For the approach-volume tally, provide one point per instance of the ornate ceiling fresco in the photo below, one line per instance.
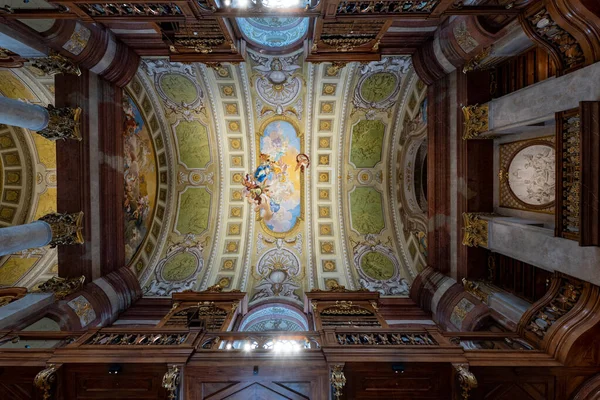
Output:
(275, 176)
(27, 179)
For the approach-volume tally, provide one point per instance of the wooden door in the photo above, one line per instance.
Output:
(271, 381)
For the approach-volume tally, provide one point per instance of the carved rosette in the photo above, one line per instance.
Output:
(476, 121)
(466, 379)
(475, 230)
(56, 64)
(66, 228)
(61, 287)
(64, 123)
(171, 381)
(338, 380)
(44, 381)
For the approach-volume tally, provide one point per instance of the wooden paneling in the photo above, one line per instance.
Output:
(16, 383)
(532, 66)
(517, 277)
(84, 381)
(247, 379)
(379, 381)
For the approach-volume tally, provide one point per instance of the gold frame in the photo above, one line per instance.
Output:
(505, 160)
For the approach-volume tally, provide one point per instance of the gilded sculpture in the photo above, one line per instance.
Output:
(475, 230)
(44, 381)
(476, 121)
(338, 380)
(466, 379)
(171, 381)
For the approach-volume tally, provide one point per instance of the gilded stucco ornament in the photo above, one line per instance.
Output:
(476, 63)
(45, 380)
(475, 230)
(170, 381)
(338, 380)
(61, 287)
(475, 289)
(66, 228)
(476, 121)
(64, 123)
(466, 379)
(56, 64)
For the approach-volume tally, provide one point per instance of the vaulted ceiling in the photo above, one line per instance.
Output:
(275, 176)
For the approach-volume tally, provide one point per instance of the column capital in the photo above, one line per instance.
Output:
(61, 287)
(475, 230)
(56, 64)
(171, 380)
(64, 123)
(66, 228)
(476, 121)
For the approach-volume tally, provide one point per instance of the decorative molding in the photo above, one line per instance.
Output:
(476, 121)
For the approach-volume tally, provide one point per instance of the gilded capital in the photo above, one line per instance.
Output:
(476, 121)
(338, 380)
(64, 123)
(45, 380)
(466, 379)
(61, 287)
(171, 380)
(475, 230)
(66, 228)
(56, 64)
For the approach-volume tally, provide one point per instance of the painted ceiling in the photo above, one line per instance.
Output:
(275, 176)
(27, 179)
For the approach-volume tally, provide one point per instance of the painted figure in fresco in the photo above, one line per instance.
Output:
(139, 167)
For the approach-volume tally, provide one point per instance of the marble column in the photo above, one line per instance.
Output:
(52, 123)
(22, 237)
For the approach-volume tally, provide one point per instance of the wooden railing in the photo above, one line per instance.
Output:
(578, 174)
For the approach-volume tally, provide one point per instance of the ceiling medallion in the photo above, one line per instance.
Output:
(380, 83)
(378, 268)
